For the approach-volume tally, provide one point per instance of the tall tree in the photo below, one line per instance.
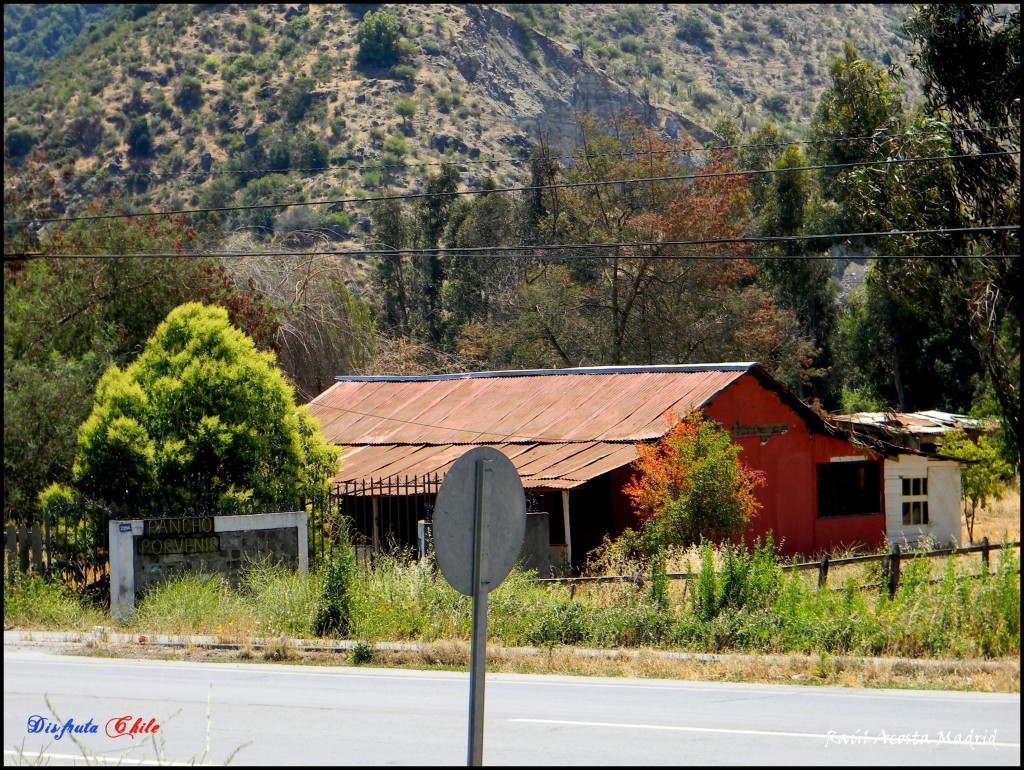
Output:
(67, 320)
(390, 272)
(970, 58)
(433, 214)
(651, 303)
(798, 283)
(201, 417)
(860, 102)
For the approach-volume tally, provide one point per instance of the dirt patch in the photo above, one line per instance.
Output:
(974, 676)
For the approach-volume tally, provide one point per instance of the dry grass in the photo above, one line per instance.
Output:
(1001, 518)
(974, 676)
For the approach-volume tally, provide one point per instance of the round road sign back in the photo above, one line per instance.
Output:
(485, 480)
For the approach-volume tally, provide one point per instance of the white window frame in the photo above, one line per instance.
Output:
(914, 500)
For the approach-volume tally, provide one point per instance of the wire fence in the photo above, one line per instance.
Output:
(888, 583)
(393, 515)
(70, 541)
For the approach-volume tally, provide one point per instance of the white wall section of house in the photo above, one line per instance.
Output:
(942, 497)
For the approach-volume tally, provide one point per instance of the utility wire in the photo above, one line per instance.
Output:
(530, 251)
(533, 188)
(518, 160)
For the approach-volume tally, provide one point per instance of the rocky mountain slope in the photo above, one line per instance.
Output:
(221, 88)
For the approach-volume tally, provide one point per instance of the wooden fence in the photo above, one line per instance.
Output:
(890, 573)
(24, 549)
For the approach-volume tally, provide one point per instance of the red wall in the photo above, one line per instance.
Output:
(789, 495)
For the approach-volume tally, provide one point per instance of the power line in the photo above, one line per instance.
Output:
(533, 188)
(515, 160)
(530, 251)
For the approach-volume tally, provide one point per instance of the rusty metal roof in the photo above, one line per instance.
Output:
(599, 404)
(560, 427)
(540, 466)
(930, 422)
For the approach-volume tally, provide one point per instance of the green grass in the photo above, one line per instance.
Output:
(34, 602)
(737, 601)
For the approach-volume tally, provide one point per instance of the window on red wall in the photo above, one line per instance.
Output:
(849, 489)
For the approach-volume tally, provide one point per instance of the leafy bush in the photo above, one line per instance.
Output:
(296, 97)
(405, 73)
(138, 139)
(692, 485)
(377, 38)
(693, 29)
(18, 140)
(334, 612)
(188, 95)
(447, 100)
(777, 103)
(703, 99)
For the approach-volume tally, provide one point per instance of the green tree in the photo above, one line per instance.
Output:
(188, 94)
(691, 485)
(802, 286)
(963, 334)
(983, 475)
(390, 270)
(477, 281)
(433, 215)
(406, 110)
(970, 58)
(201, 417)
(969, 55)
(138, 138)
(861, 101)
(377, 38)
(66, 321)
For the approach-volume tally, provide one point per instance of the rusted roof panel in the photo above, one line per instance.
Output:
(540, 466)
(918, 423)
(624, 404)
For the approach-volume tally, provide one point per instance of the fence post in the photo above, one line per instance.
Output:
(894, 570)
(23, 548)
(12, 551)
(36, 545)
(46, 540)
(823, 572)
(984, 554)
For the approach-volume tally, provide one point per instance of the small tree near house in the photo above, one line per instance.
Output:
(982, 476)
(201, 417)
(691, 485)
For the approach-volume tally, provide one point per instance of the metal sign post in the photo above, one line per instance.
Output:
(478, 635)
(479, 526)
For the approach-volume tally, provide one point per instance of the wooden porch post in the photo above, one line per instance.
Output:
(565, 519)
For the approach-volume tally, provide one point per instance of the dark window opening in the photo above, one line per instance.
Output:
(915, 500)
(848, 489)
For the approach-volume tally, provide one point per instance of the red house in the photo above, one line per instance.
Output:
(572, 434)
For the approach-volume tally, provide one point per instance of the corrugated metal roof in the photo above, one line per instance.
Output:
(540, 466)
(620, 404)
(931, 422)
(560, 428)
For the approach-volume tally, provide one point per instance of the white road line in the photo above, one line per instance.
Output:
(92, 759)
(846, 739)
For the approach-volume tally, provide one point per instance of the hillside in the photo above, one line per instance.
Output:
(156, 106)
(342, 176)
(36, 34)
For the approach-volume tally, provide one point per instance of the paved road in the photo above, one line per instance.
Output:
(297, 715)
